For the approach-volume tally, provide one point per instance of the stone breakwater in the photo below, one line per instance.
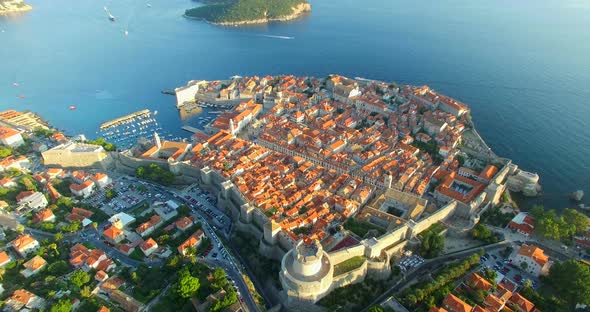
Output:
(297, 12)
(14, 6)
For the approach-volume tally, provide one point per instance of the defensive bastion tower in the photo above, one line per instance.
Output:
(306, 272)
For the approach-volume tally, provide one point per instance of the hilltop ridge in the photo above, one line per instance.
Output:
(243, 12)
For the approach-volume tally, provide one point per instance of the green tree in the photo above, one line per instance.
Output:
(58, 268)
(72, 226)
(432, 244)
(79, 278)
(63, 305)
(86, 291)
(183, 210)
(570, 281)
(187, 284)
(483, 233)
(5, 151)
(110, 194)
(59, 236)
(376, 308)
(219, 278)
(576, 219)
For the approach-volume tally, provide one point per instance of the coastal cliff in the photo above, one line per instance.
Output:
(13, 6)
(246, 12)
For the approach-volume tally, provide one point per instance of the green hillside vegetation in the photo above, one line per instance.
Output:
(243, 10)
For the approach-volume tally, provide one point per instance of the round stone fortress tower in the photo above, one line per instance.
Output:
(306, 272)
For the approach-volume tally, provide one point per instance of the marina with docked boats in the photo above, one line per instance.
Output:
(124, 131)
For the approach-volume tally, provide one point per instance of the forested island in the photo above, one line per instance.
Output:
(242, 12)
(13, 6)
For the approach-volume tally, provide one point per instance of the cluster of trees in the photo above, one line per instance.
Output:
(155, 173)
(495, 217)
(42, 132)
(431, 242)
(429, 293)
(567, 285)
(244, 10)
(354, 297)
(431, 147)
(220, 282)
(484, 234)
(80, 278)
(361, 228)
(187, 285)
(5, 151)
(549, 225)
(102, 142)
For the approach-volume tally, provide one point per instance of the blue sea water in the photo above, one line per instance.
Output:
(522, 66)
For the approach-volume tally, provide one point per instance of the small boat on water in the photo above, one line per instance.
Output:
(126, 33)
(149, 5)
(111, 17)
(72, 107)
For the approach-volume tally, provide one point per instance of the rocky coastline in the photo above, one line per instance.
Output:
(14, 6)
(297, 12)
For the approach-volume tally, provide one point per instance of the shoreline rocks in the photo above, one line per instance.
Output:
(298, 11)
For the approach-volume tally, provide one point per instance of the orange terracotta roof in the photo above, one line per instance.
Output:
(23, 296)
(43, 215)
(22, 241)
(112, 232)
(476, 281)
(6, 133)
(535, 253)
(148, 244)
(454, 304)
(4, 257)
(35, 263)
(522, 302)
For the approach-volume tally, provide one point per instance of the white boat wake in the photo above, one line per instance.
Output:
(278, 37)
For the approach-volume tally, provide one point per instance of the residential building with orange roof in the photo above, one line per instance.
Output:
(101, 179)
(87, 259)
(4, 258)
(7, 182)
(31, 200)
(113, 234)
(53, 193)
(101, 276)
(184, 223)
(148, 247)
(193, 241)
(475, 281)
(79, 214)
(519, 303)
(21, 163)
(437, 309)
(24, 244)
(45, 215)
(10, 137)
(23, 299)
(83, 189)
(54, 172)
(522, 223)
(453, 304)
(532, 259)
(33, 266)
(149, 226)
